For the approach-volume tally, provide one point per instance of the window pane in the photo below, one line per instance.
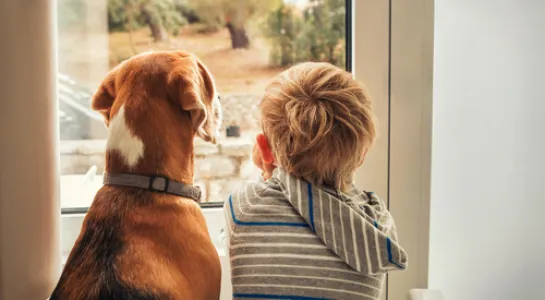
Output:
(243, 43)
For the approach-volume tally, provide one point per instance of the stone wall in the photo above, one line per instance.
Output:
(241, 110)
(219, 168)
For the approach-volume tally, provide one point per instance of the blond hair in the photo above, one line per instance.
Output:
(319, 122)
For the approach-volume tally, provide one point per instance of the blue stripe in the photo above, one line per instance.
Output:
(389, 247)
(375, 223)
(311, 207)
(265, 296)
(242, 223)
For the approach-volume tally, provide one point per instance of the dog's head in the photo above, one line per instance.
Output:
(152, 99)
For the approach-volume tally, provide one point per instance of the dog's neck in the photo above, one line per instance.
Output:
(150, 149)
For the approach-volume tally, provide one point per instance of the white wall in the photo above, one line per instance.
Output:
(487, 232)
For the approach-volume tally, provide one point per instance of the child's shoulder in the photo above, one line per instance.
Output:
(259, 188)
(258, 198)
(250, 189)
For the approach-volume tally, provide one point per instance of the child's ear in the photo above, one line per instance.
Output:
(265, 149)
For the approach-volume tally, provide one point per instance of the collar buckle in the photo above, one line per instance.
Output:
(158, 183)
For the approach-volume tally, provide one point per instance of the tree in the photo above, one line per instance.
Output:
(325, 30)
(239, 37)
(152, 14)
(282, 28)
(233, 14)
(161, 16)
(186, 11)
(315, 33)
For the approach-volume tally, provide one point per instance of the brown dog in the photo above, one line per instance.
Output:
(139, 241)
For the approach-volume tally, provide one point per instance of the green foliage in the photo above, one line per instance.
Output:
(282, 27)
(124, 15)
(164, 12)
(326, 31)
(217, 13)
(188, 13)
(317, 33)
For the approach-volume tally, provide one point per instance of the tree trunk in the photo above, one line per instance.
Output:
(239, 38)
(332, 58)
(158, 32)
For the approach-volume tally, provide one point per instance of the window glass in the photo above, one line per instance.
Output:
(243, 42)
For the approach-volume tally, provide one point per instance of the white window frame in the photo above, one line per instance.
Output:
(393, 57)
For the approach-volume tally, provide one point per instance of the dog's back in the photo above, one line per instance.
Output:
(125, 252)
(136, 243)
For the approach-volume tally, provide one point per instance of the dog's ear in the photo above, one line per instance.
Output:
(209, 130)
(104, 97)
(196, 93)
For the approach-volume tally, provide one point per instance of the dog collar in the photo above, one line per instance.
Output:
(155, 183)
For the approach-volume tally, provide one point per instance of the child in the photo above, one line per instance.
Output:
(306, 232)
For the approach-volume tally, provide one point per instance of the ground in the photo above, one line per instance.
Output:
(235, 70)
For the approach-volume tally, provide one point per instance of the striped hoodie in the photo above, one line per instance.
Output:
(288, 239)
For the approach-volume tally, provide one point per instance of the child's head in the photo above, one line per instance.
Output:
(318, 122)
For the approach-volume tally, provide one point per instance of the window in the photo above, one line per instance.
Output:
(244, 43)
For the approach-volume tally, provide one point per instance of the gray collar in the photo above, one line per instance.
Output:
(155, 183)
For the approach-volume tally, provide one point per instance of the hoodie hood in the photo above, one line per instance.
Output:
(355, 225)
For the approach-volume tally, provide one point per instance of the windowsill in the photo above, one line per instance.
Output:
(219, 169)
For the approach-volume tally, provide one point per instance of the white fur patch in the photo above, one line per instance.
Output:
(217, 109)
(121, 138)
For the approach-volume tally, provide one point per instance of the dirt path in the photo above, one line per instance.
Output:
(236, 71)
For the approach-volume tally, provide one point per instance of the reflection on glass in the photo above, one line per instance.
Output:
(243, 43)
